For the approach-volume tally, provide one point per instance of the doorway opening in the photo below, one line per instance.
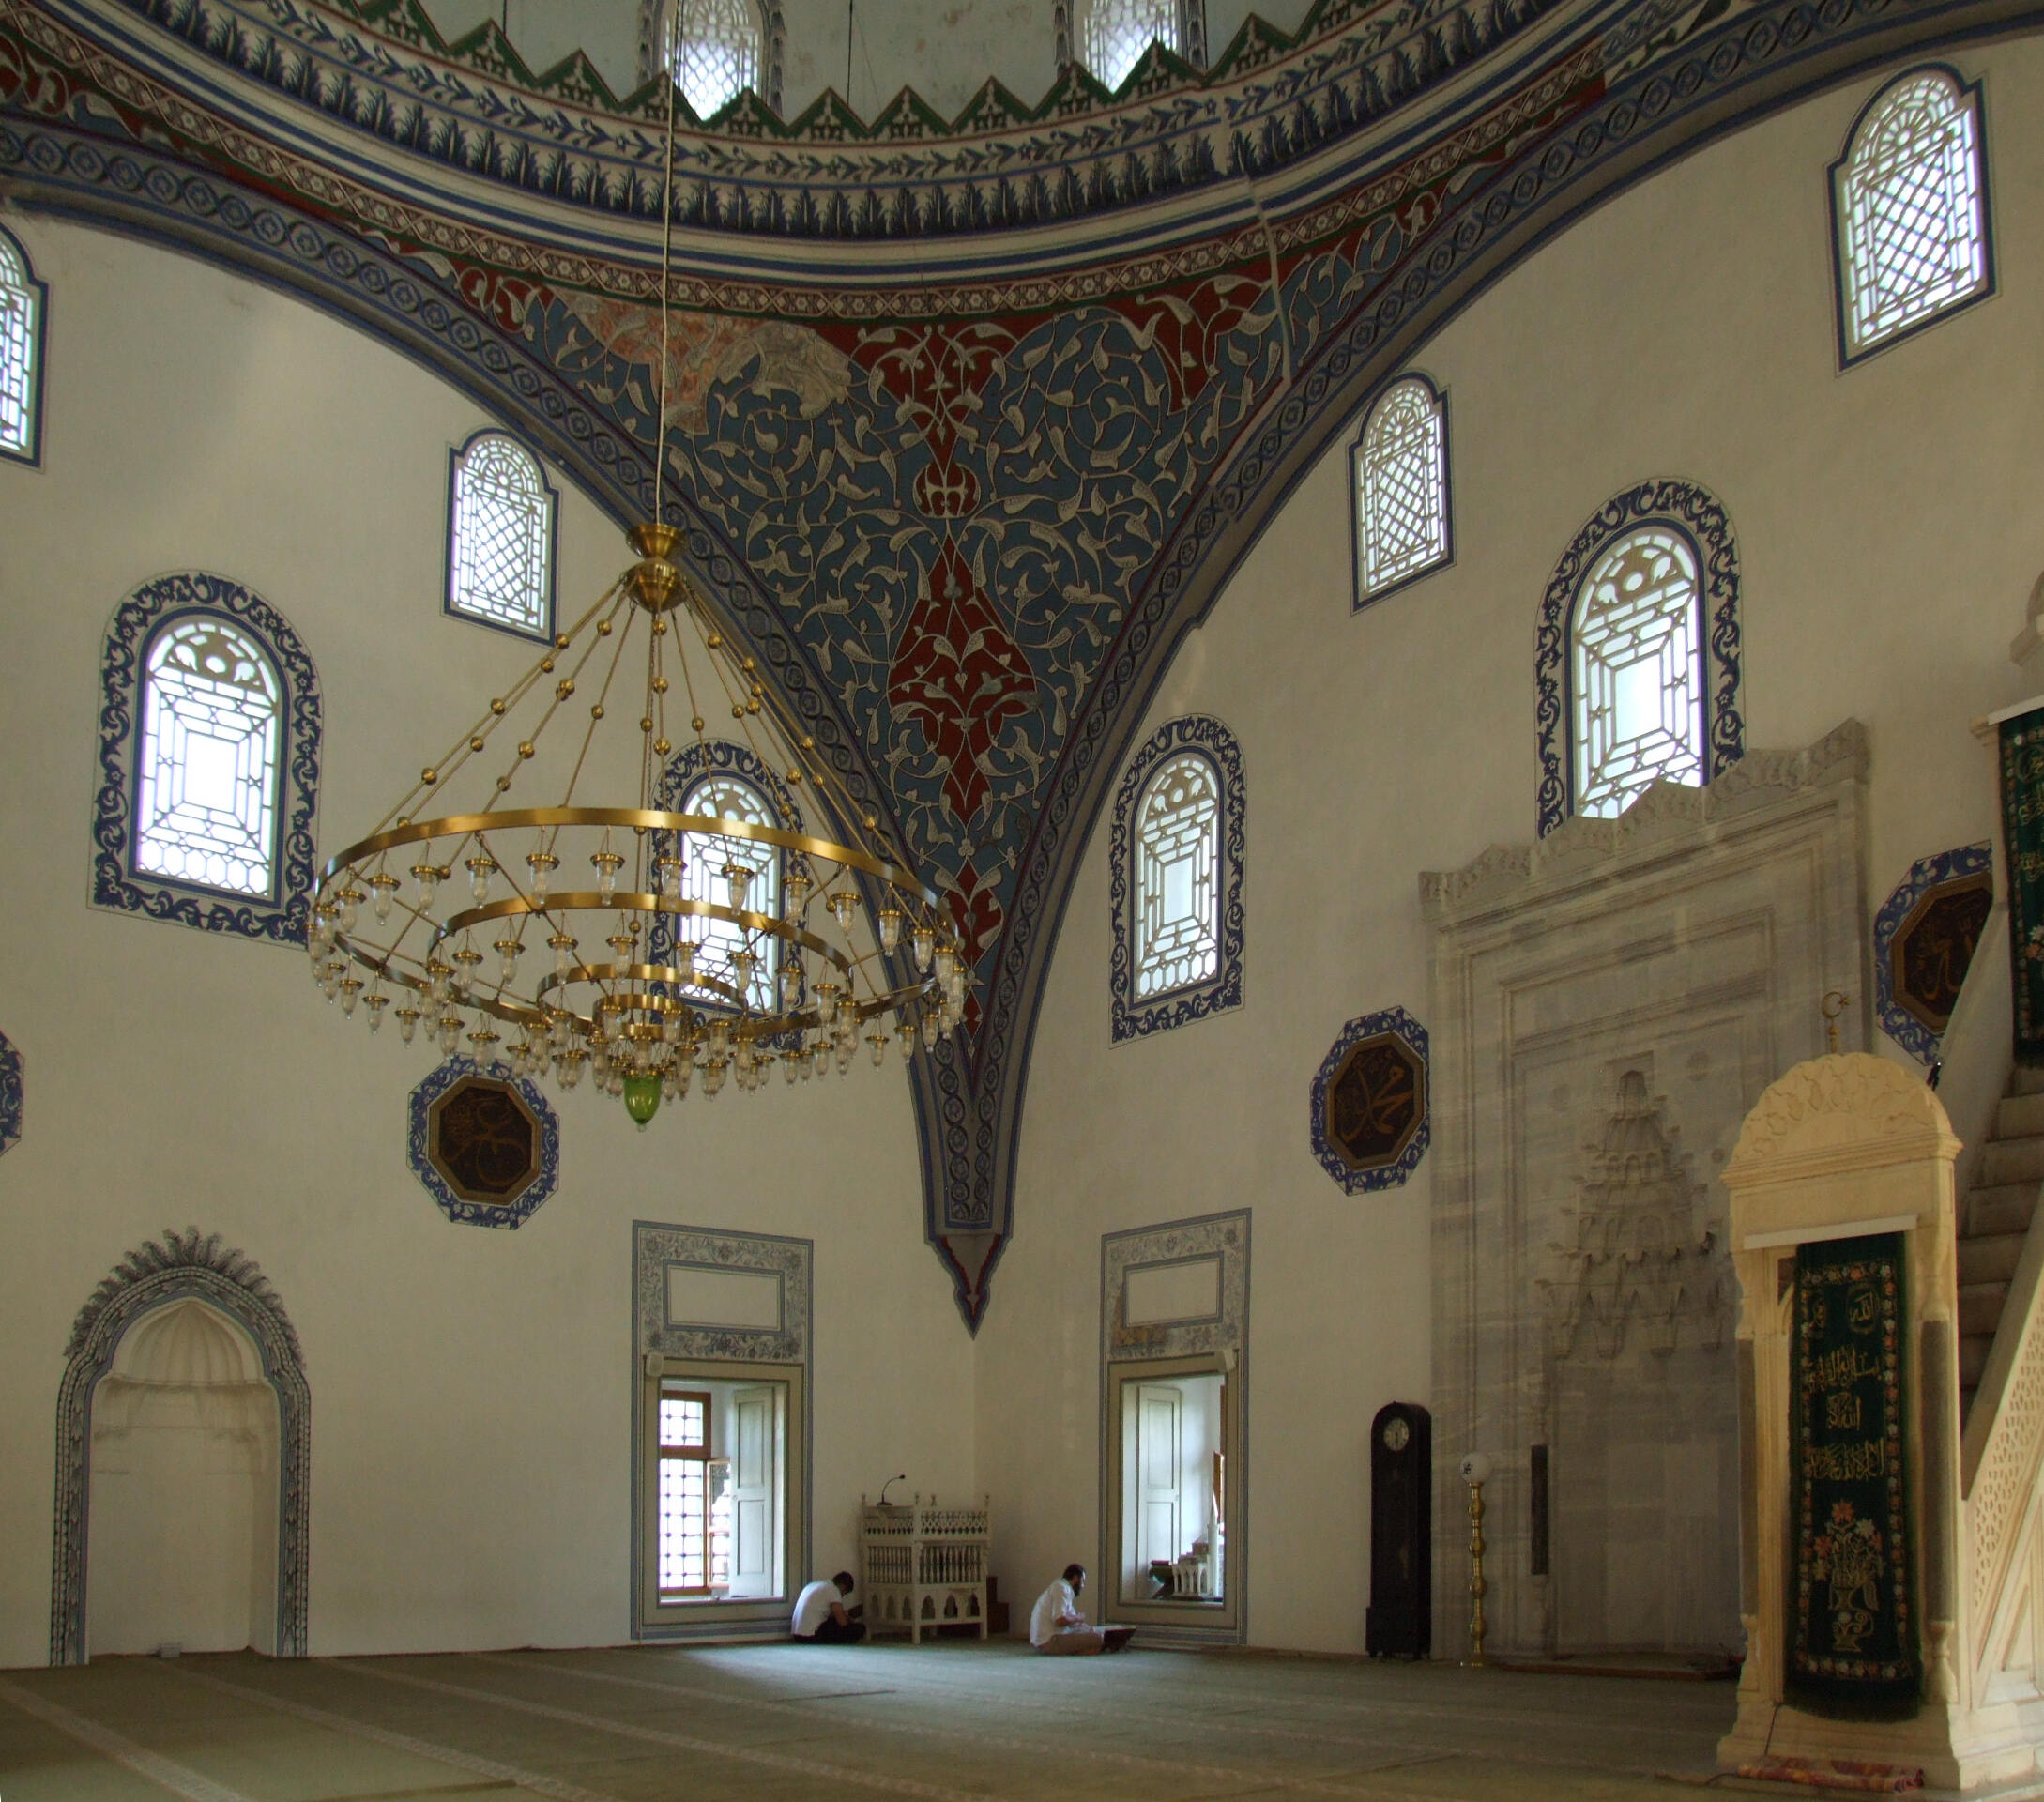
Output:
(1174, 1503)
(1174, 1483)
(722, 1456)
(722, 1447)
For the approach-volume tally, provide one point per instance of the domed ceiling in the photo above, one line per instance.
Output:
(974, 415)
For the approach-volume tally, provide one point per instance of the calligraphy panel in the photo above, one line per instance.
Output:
(1853, 1648)
(2022, 820)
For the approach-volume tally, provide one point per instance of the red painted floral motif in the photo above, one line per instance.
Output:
(1182, 325)
(978, 914)
(939, 374)
(959, 672)
(500, 299)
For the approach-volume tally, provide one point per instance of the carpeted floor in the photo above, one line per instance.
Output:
(763, 1723)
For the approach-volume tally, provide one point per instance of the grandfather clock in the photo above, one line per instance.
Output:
(1401, 1611)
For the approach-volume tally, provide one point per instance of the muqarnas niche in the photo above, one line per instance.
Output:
(1640, 1397)
(485, 1145)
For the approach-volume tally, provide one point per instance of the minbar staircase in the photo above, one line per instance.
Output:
(1994, 1220)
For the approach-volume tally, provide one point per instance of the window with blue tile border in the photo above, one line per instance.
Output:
(25, 307)
(210, 721)
(1176, 888)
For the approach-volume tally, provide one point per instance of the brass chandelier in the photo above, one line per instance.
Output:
(467, 914)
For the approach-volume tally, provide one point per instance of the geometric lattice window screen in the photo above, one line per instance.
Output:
(1635, 676)
(686, 1564)
(1911, 211)
(211, 760)
(1403, 470)
(1116, 34)
(711, 48)
(501, 538)
(20, 352)
(1178, 857)
(706, 857)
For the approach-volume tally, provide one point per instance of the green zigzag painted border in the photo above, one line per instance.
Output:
(829, 118)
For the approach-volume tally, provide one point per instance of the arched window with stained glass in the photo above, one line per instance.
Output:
(1637, 657)
(1177, 855)
(501, 536)
(1116, 34)
(739, 873)
(715, 49)
(1636, 672)
(209, 734)
(1178, 867)
(208, 768)
(1909, 212)
(746, 875)
(22, 308)
(1402, 488)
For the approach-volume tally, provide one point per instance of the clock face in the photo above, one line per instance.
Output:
(1397, 1434)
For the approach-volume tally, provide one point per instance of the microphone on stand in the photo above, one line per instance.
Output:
(900, 1477)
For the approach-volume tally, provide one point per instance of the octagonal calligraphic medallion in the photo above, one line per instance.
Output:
(1925, 935)
(1369, 1102)
(486, 1144)
(1934, 946)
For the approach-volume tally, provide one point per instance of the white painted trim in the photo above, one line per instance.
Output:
(1839, 1229)
(1981, 727)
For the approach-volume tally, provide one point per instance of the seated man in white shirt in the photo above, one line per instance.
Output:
(821, 1618)
(1057, 1626)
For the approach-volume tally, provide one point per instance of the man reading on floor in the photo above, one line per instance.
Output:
(821, 1618)
(1057, 1626)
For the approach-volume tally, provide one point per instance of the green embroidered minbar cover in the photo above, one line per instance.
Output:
(1851, 1603)
(2022, 823)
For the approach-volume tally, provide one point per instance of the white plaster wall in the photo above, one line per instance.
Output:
(1889, 533)
(470, 1389)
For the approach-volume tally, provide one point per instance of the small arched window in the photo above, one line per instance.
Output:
(1909, 211)
(209, 767)
(501, 536)
(22, 300)
(1637, 660)
(1177, 854)
(1402, 488)
(1116, 34)
(1178, 867)
(709, 861)
(729, 781)
(209, 730)
(1635, 671)
(713, 48)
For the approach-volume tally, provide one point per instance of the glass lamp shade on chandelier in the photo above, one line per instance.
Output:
(734, 945)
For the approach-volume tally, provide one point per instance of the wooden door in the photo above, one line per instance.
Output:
(1160, 1479)
(754, 1490)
